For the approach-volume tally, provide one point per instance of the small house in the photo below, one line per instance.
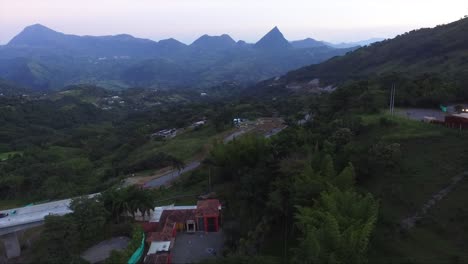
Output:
(166, 133)
(198, 124)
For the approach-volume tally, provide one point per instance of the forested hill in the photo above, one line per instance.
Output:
(8, 88)
(42, 58)
(442, 50)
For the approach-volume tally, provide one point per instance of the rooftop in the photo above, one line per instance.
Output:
(462, 115)
(161, 258)
(208, 207)
(159, 246)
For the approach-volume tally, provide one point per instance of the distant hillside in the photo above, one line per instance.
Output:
(214, 42)
(361, 43)
(8, 88)
(442, 50)
(42, 58)
(311, 43)
(428, 66)
(307, 43)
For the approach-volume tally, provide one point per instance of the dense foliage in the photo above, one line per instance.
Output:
(93, 219)
(272, 184)
(66, 144)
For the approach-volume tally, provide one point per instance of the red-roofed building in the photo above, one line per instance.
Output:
(159, 258)
(207, 214)
(169, 220)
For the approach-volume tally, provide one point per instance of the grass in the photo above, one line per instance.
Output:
(7, 155)
(405, 129)
(186, 189)
(185, 146)
(431, 156)
(8, 204)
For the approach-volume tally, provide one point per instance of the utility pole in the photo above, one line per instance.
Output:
(392, 99)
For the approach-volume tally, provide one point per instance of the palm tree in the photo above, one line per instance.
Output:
(128, 200)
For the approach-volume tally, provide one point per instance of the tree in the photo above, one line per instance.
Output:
(141, 200)
(128, 200)
(176, 163)
(328, 167)
(307, 186)
(385, 155)
(342, 136)
(90, 217)
(58, 243)
(346, 179)
(337, 229)
(115, 202)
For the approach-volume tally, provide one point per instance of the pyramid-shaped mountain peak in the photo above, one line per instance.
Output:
(273, 40)
(37, 27)
(34, 34)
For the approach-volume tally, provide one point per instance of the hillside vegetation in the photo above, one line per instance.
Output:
(42, 58)
(442, 50)
(428, 67)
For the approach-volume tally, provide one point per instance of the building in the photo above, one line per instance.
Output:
(198, 124)
(457, 120)
(166, 133)
(238, 121)
(167, 221)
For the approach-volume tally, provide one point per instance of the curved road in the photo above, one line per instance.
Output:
(170, 176)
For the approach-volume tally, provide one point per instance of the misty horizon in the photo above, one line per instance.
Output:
(192, 41)
(243, 20)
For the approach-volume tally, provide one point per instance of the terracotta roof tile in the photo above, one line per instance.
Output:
(207, 207)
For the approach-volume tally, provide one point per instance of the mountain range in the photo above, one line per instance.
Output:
(429, 66)
(42, 58)
(442, 50)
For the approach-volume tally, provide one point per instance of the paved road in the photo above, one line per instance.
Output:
(102, 251)
(193, 248)
(170, 176)
(23, 217)
(420, 113)
(234, 135)
(36, 213)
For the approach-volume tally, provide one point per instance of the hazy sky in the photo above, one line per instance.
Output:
(185, 20)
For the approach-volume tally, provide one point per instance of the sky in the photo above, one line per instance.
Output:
(249, 20)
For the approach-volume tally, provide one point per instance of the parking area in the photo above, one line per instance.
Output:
(101, 251)
(192, 248)
(420, 113)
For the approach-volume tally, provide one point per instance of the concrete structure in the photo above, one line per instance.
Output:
(23, 218)
(166, 222)
(12, 246)
(198, 124)
(195, 248)
(166, 133)
(459, 121)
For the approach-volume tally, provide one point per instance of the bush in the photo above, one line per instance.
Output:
(124, 255)
(382, 155)
(342, 136)
(385, 122)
